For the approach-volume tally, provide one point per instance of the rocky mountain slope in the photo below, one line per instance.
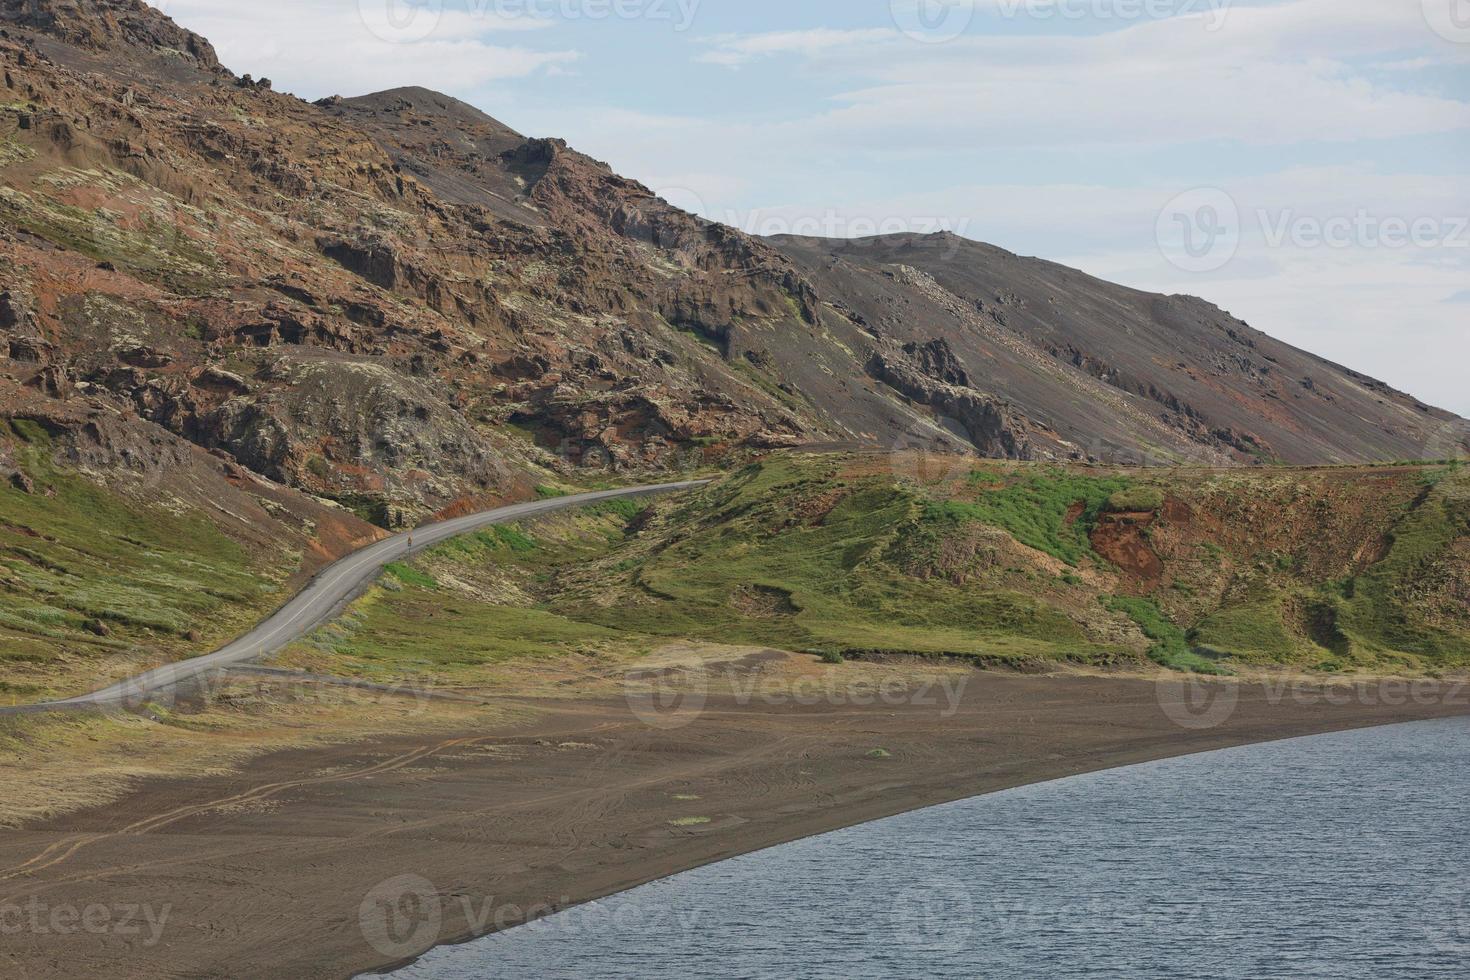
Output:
(1121, 373)
(398, 303)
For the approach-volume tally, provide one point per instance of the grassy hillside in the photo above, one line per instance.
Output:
(89, 579)
(108, 567)
(849, 556)
(840, 556)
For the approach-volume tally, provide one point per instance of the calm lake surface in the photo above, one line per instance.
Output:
(1334, 856)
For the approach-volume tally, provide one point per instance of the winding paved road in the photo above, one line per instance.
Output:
(327, 594)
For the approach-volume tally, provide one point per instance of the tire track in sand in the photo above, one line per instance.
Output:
(63, 850)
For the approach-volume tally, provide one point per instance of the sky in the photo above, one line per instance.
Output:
(1301, 163)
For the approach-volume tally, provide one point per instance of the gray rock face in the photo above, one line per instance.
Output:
(931, 375)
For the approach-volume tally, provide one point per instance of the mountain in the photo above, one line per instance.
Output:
(1119, 372)
(399, 303)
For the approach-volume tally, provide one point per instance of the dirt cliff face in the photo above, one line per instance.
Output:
(396, 297)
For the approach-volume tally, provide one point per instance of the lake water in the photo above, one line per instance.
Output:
(1335, 856)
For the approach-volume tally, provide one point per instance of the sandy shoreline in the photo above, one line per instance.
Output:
(335, 861)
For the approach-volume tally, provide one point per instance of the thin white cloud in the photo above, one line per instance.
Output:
(1409, 64)
(1270, 75)
(322, 47)
(735, 50)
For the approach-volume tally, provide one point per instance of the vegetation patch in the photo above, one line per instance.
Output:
(769, 532)
(1052, 511)
(625, 508)
(1257, 632)
(817, 555)
(409, 575)
(1385, 609)
(87, 575)
(1135, 500)
(518, 541)
(1171, 647)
